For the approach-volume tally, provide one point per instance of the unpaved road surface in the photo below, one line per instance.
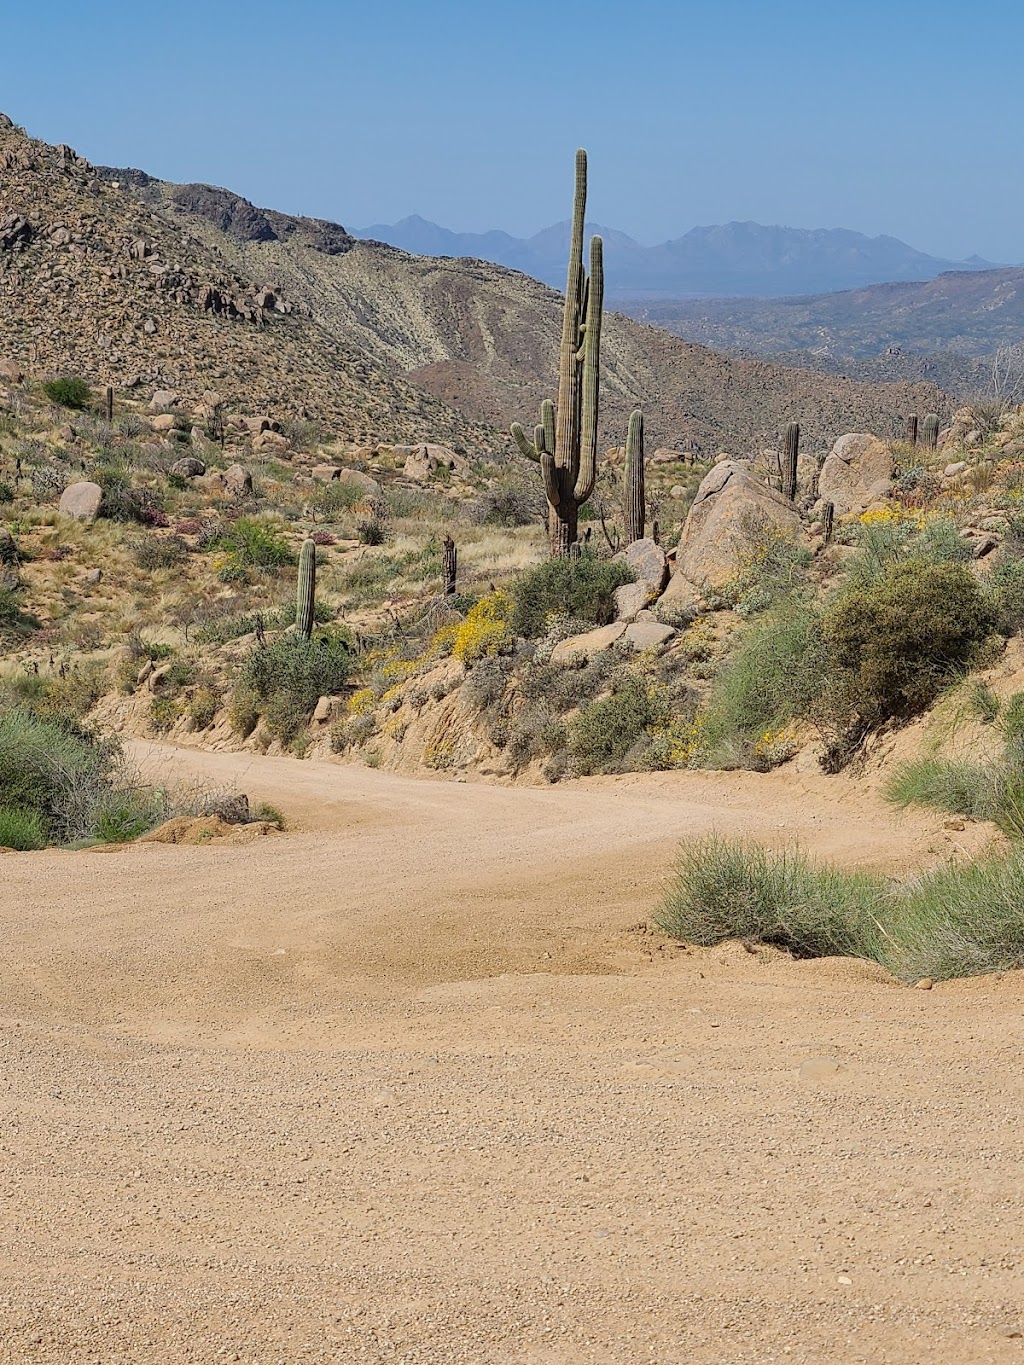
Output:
(411, 1083)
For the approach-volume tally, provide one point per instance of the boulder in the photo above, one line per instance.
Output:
(647, 635)
(952, 470)
(270, 440)
(680, 596)
(81, 501)
(354, 478)
(665, 456)
(647, 560)
(857, 473)
(12, 372)
(325, 710)
(255, 425)
(590, 642)
(164, 421)
(237, 481)
(188, 468)
(630, 599)
(423, 461)
(730, 515)
(162, 400)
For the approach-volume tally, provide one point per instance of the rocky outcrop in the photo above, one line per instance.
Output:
(730, 515)
(421, 462)
(352, 478)
(857, 473)
(647, 560)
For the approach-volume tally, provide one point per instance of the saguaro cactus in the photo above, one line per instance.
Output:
(911, 436)
(305, 592)
(634, 507)
(565, 440)
(828, 518)
(790, 451)
(930, 430)
(108, 403)
(450, 565)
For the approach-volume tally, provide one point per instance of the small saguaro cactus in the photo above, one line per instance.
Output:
(930, 430)
(564, 442)
(450, 565)
(911, 435)
(828, 517)
(108, 404)
(634, 504)
(305, 592)
(790, 451)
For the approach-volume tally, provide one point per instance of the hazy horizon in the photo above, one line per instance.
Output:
(692, 114)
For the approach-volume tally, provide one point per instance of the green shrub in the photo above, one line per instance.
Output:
(125, 815)
(283, 680)
(724, 889)
(958, 920)
(1006, 586)
(14, 619)
(254, 543)
(582, 589)
(602, 735)
(774, 677)
(952, 785)
(336, 497)
(68, 392)
(6, 491)
(894, 642)
(53, 771)
(23, 830)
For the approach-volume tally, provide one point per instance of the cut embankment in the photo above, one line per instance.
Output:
(955, 920)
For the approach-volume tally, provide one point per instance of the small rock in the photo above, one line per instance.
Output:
(952, 470)
(925, 984)
(162, 400)
(94, 576)
(325, 709)
(188, 468)
(643, 635)
(164, 421)
(590, 642)
(237, 481)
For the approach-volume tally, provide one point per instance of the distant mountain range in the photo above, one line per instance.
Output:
(745, 259)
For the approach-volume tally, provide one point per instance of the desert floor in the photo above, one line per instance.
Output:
(414, 1082)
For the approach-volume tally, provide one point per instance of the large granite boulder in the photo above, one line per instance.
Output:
(730, 516)
(857, 473)
(81, 501)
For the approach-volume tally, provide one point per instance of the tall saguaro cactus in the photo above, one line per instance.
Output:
(911, 431)
(790, 452)
(305, 591)
(930, 430)
(565, 440)
(635, 507)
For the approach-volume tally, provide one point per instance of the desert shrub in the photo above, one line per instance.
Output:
(48, 480)
(952, 785)
(22, 830)
(1006, 587)
(772, 567)
(960, 920)
(336, 497)
(68, 391)
(158, 552)
(894, 642)
(486, 682)
(581, 588)
(126, 814)
(6, 491)
(724, 889)
(253, 543)
(54, 771)
(772, 679)
(514, 499)
(604, 732)
(535, 730)
(203, 706)
(375, 527)
(283, 680)
(121, 500)
(486, 629)
(14, 619)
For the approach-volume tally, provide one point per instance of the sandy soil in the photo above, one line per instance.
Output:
(413, 1082)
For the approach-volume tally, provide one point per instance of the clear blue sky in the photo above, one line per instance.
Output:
(900, 116)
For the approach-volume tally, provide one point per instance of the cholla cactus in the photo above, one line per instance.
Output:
(635, 508)
(565, 440)
(305, 592)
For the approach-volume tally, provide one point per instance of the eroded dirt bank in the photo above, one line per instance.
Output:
(410, 1083)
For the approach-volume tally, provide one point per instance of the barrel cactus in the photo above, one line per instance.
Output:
(564, 442)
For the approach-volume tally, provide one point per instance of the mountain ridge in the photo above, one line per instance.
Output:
(735, 258)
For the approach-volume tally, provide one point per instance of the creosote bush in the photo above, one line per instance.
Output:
(68, 391)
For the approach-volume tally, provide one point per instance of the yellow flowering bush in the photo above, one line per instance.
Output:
(486, 629)
(362, 702)
(775, 746)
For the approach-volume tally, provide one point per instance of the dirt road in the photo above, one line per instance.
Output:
(411, 1083)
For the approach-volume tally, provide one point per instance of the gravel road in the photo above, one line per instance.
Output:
(413, 1082)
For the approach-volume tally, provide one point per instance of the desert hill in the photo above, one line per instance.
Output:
(126, 279)
(969, 313)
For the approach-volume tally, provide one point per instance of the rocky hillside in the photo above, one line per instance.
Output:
(969, 313)
(93, 282)
(121, 277)
(484, 339)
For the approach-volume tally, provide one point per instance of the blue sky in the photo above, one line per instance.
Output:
(901, 117)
